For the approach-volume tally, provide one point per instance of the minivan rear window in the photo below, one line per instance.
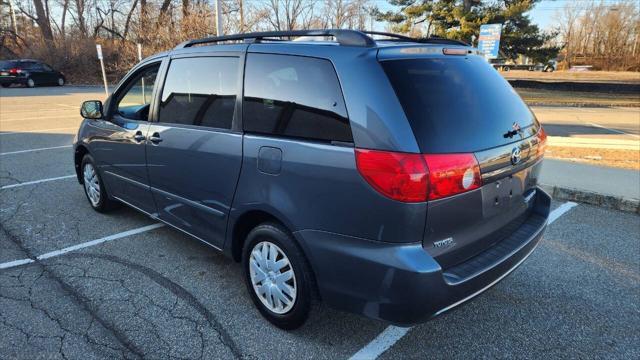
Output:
(459, 104)
(8, 64)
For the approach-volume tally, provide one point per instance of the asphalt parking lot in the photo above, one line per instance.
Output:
(146, 291)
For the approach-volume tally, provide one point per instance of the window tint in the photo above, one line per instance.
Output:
(458, 104)
(47, 67)
(294, 96)
(30, 65)
(200, 91)
(135, 101)
(8, 64)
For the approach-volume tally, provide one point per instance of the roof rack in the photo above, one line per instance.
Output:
(343, 37)
(427, 40)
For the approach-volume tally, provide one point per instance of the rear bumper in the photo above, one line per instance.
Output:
(13, 80)
(402, 283)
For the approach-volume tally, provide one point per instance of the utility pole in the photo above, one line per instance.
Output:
(218, 17)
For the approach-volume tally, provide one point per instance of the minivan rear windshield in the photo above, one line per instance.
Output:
(459, 104)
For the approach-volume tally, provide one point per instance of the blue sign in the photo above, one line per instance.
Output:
(489, 40)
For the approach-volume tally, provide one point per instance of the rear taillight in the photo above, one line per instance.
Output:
(15, 71)
(451, 174)
(542, 142)
(399, 176)
(417, 177)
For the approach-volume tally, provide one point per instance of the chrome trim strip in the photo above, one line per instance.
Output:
(486, 287)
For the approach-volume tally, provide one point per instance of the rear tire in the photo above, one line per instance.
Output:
(5, 85)
(93, 186)
(284, 301)
(31, 83)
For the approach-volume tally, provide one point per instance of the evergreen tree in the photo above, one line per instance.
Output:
(461, 19)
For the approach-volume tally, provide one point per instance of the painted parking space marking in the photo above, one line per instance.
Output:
(392, 334)
(33, 150)
(614, 130)
(381, 343)
(83, 245)
(37, 182)
(37, 131)
(43, 117)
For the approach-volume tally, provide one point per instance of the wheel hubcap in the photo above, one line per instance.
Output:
(272, 277)
(91, 184)
(60, 82)
(31, 82)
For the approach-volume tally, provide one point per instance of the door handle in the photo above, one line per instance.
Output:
(138, 137)
(155, 138)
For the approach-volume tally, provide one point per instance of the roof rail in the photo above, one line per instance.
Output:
(427, 40)
(343, 37)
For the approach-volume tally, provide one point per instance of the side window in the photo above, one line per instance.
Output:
(30, 65)
(294, 96)
(200, 91)
(46, 67)
(135, 101)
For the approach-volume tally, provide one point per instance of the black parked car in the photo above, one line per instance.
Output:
(28, 72)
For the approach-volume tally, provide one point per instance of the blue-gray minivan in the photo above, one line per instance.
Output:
(382, 175)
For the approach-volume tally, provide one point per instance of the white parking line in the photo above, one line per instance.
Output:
(32, 150)
(381, 343)
(36, 131)
(36, 182)
(392, 334)
(560, 210)
(43, 117)
(614, 130)
(83, 245)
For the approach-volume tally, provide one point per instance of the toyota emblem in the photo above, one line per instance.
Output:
(516, 156)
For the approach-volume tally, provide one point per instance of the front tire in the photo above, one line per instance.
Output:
(277, 275)
(60, 81)
(94, 188)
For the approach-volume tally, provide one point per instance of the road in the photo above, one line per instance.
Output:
(155, 293)
(606, 123)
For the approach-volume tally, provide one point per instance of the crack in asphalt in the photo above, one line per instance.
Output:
(78, 298)
(175, 289)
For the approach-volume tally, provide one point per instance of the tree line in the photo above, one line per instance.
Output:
(64, 32)
(603, 35)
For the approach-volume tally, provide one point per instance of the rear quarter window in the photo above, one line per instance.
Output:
(294, 96)
(458, 104)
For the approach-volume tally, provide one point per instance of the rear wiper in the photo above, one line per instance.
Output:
(510, 134)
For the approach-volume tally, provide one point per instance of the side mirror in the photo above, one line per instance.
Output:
(91, 109)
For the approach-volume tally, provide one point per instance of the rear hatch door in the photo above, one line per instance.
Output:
(460, 104)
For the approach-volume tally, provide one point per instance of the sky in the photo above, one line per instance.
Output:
(543, 14)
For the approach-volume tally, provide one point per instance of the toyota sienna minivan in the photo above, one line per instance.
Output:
(383, 175)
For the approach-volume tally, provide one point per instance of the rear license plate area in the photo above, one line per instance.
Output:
(505, 195)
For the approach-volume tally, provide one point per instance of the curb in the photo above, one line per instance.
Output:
(593, 198)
